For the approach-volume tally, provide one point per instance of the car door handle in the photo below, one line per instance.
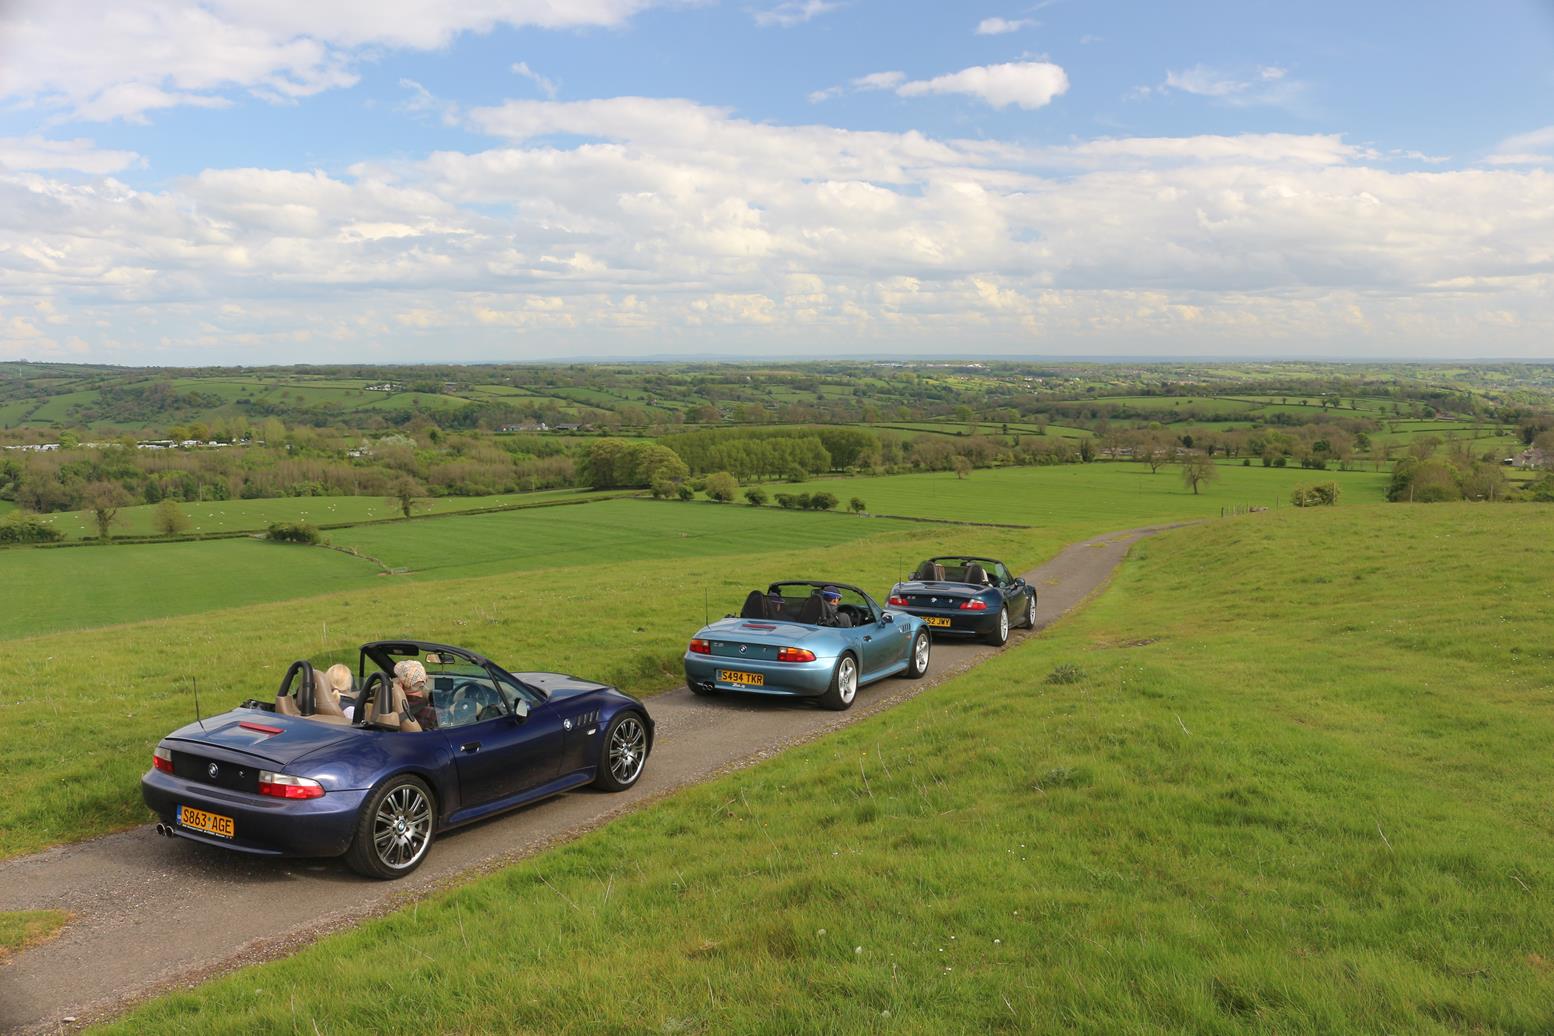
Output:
(870, 637)
(470, 747)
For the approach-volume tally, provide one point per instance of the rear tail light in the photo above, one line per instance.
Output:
(795, 655)
(898, 601)
(162, 759)
(284, 786)
(700, 647)
(976, 604)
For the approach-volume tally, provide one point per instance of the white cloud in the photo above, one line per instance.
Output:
(78, 155)
(793, 12)
(1029, 84)
(663, 220)
(1265, 85)
(82, 59)
(1000, 26)
(880, 81)
(1535, 147)
(547, 87)
(423, 101)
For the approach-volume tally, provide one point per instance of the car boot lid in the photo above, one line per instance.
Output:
(269, 736)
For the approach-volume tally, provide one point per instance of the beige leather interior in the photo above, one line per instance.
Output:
(326, 703)
(286, 705)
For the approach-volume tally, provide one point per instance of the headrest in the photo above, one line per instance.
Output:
(755, 606)
(386, 704)
(326, 700)
(811, 610)
(975, 573)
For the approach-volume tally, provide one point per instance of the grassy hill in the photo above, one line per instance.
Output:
(1086, 496)
(1290, 774)
(86, 707)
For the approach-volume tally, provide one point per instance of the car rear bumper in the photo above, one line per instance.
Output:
(779, 679)
(961, 623)
(262, 825)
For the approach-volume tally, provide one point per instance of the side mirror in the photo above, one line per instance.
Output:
(886, 619)
(520, 711)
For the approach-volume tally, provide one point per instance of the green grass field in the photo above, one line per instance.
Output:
(1086, 496)
(1286, 775)
(103, 585)
(602, 533)
(100, 586)
(83, 709)
(256, 515)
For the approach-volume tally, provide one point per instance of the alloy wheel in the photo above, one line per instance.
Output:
(628, 750)
(402, 828)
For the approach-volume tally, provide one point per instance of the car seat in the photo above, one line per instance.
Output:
(755, 606)
(811, 610)
(325, 708)
(975, 573)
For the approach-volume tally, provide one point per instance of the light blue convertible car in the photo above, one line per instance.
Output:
(806, 639)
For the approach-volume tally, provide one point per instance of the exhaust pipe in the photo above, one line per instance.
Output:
(164, 831)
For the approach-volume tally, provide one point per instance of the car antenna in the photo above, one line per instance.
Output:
(706, 607)
(195, 682)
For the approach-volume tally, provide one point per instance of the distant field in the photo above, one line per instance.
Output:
(83, 709)
(603, 533)
(1204, 403)
(1114, 495)
(1277, 787)
(99, 586)
(254, 515)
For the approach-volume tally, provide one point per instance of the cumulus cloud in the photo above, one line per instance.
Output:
(78, 155)
(83, 60)
(1535, 147)
(793, 12)
(620, 224)
(1265, 85)
(548, 87)
(1000, 26)
(880, 81)
(1028, 84)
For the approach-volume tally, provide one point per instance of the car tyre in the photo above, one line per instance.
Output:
(394, 829)
(844, 685)
(623, 752)
(1030, 613)
(917, 663)
(999, 636)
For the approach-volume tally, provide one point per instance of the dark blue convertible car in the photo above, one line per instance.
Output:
(967, 596)
(302, 776)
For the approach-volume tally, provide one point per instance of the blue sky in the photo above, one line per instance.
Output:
(223, 182)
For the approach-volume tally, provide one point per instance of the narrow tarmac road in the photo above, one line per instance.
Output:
(153, 914)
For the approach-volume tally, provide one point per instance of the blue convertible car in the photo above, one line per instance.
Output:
(967, 596)
(797, 640)
(300, 777)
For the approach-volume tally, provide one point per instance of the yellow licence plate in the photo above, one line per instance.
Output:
(735, 676)
(210, 823)
(934, 620)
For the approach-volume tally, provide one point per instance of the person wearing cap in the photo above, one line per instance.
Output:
(337, 681)
(417, 713)
(830, 597)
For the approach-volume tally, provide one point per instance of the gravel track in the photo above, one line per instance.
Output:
(153, 914)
